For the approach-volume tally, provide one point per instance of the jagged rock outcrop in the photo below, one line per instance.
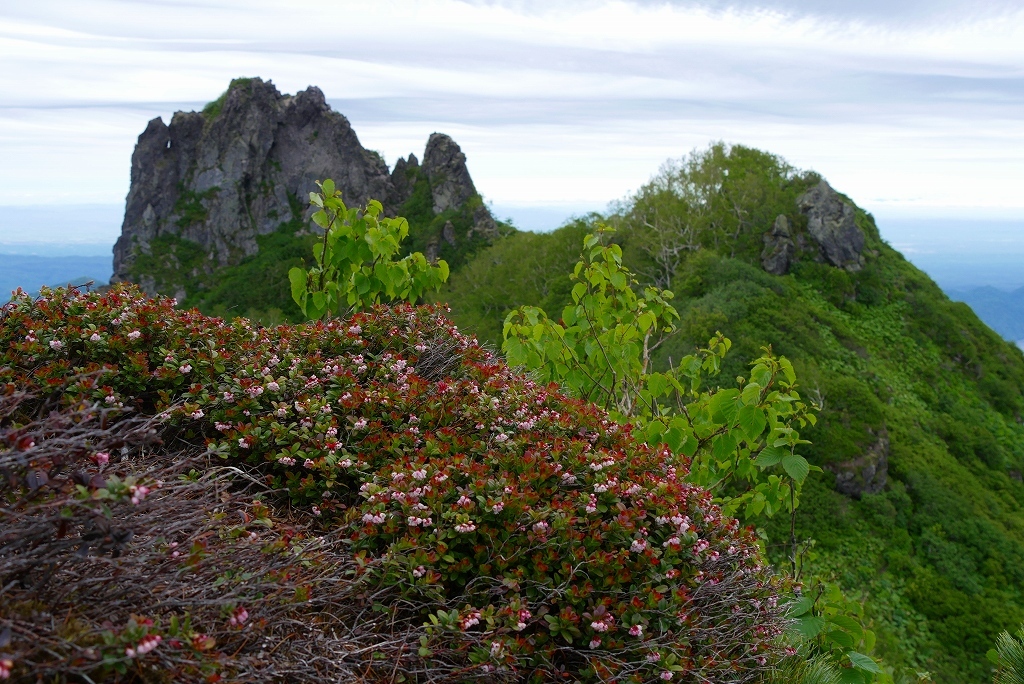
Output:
(779, 247)
(245, 165)
(866, 474)
(450, 185)
(830, 222)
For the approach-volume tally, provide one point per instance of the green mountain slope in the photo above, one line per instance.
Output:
(921, 424)
(920, 510)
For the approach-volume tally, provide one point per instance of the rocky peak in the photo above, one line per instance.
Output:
(245, 165)
(445, 166)
(830, 222)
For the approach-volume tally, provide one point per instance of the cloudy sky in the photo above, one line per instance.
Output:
(913, 108)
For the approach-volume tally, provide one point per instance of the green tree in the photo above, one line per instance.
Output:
(356, 265)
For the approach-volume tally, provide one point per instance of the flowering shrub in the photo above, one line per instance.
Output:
(533, 533)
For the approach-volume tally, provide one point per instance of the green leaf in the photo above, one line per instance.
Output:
(847, 623)
(297, 277)
(328, 186)
(769, 456)
(752, 421)
(796, 466)
(723, 405)
(863, 662)
(809, 627)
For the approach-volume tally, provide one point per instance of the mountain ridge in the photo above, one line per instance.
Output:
(206, 188)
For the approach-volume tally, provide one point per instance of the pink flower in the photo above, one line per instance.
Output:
(308, 463)
(420, 474)
(239, 616)
(638, 546)
(185, 368)
(255, 391)
(666, 675)
(595, 642)
(316, 510)
(599, 626)
(359, 424)
(101, 458)
(229, 397)
(419, 571)
(273, 386)
(540, 527)
(465, 528)
(56, 345)
(243, 443)
(636, 630)
(6, 665)
(286, 460)
(95, 337)
(138, 493)
(134, 335)
(197, 414)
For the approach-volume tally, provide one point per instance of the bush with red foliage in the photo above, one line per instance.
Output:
(528, 532)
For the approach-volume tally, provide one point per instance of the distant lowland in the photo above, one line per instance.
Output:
(990, 282)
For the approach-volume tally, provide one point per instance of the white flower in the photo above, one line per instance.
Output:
(273, 386)
(185, 368)
(308, 463)
(465, 528)
(636, 630)
(540, 527)
(197, 414)
(243, 443)
(95, 337)
(359, 424)
(419, 571)
(638, 546)
(134, 335)
(598, 626)
(595, 642)
(56, 345)
(286, 460)
(420, 474)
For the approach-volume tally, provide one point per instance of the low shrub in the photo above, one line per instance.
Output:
(528, 532)
(122, 559)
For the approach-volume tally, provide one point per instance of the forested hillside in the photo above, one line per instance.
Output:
(918, 513)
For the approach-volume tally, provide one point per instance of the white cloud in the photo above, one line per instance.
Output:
(573, 102)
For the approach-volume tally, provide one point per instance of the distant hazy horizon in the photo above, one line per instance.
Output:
(958, 253)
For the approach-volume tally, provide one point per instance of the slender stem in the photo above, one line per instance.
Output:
(792, 525)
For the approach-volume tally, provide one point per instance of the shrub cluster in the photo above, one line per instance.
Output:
(123, 560)
(531, 534)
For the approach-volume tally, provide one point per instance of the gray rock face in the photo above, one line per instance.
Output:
(450, 185)
(864, 475)
(403, 177)
(222, 178)
(778, 247)
(445, 166)
(830, 222)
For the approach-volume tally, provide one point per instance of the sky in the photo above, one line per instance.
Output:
(913, 108)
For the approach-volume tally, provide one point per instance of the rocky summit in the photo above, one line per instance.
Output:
(215, 180)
